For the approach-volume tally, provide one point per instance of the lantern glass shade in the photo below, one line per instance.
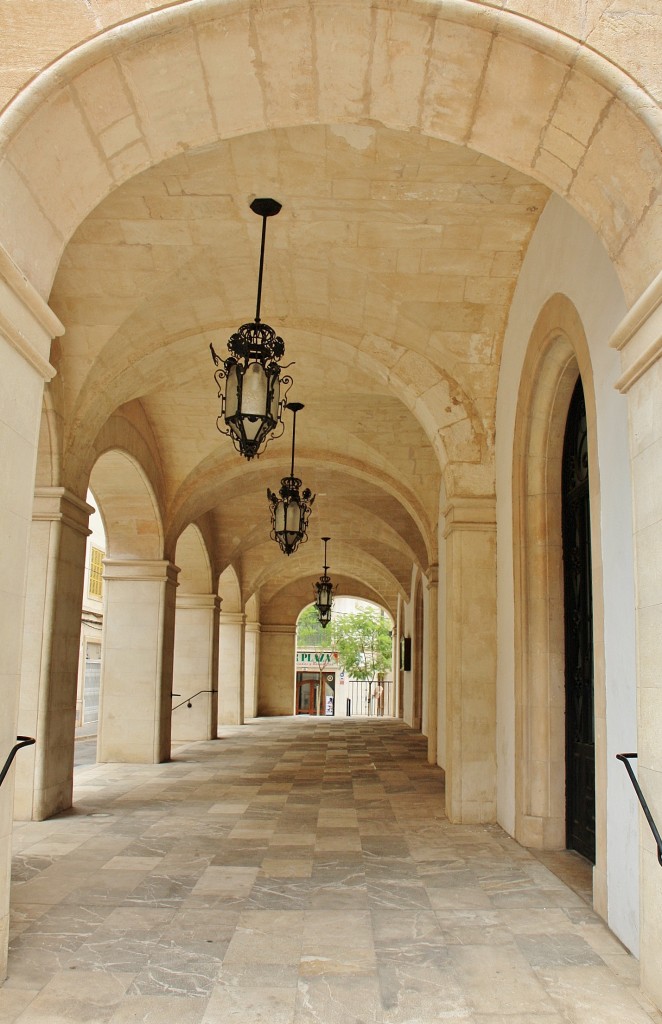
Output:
(254, 391)
(231, 392)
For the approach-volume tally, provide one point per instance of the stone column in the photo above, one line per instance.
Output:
(471, 660)
(639, 339)
(135, 706)
(195, 667)
(251, 662)
(277, 655)
(432, 649)
(51, 648)
(231, 668)
(26, 328)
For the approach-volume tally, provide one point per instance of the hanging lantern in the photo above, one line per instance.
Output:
(252, 391)
(290, 508)
(324, 593)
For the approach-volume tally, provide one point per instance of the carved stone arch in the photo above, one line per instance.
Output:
(557, 355)
(129, 507)
(194, 563)
(405, 68)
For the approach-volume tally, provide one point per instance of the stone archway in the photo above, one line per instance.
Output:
(557, 355)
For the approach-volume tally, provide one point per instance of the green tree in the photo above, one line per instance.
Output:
(363, 642)
(309, 631)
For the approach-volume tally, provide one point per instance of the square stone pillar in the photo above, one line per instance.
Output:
(135, 705)
(27, 327)
(471, 660)
(639, 339)
(432, 650)
(51, 643)
(195, 667)
(231, 668)
(276, 682)
(251, 664)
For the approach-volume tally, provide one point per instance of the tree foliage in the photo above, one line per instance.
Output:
(309, 631)
(363, 642)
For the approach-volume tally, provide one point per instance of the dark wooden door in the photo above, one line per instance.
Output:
(580, 722)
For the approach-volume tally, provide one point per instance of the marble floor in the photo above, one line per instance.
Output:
(296, 871)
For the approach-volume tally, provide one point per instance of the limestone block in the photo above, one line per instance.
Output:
(58, 158)
(398, 72)
(102, 94)
(638, 263)
(342, 49)
(519, 91)
(283, 52)
(621, 171)
(456, 64)
(580, 107)
(231, 71)
(168, 87)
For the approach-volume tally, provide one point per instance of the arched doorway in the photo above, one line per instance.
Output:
(578, 604)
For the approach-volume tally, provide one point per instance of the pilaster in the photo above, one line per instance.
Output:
(432, 649)
(639, 340)
(470, 534)
(27, 327)
(251, 664)
(195, 667)
(277, 656)
(138, 645)
(49, 666)
(231, 668)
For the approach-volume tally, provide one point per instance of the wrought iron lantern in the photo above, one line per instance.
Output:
(290, 508)
(324, 593)
(251, 387)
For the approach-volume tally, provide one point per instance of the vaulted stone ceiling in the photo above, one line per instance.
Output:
(389, 273)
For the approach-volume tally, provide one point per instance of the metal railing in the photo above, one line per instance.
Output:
(189, 700)
(21, 741)
(625, 758)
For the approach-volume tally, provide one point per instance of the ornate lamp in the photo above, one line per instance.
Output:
(250, 386)
(324, 593)
(290, 509)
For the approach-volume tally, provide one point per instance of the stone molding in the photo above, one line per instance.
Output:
(470, 514)
(276, 630)
(432, 576)
(638, 337)
(57, 504)
(253, 627)
(26, 321)
(137, 570)
(198, 602)
(232, 619)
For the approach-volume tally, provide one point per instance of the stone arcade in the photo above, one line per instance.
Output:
(471, 222)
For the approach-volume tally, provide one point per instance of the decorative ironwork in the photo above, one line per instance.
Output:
(252, 391)
(580, 728)
(291, 507)
(324, 593)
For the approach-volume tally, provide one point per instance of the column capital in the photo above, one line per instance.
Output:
(638, 337)
(198, 602)
(432, 575)
(469, 513)
(27, 323)
(253, 627)
(140, 569)
(57, 504)
(275, 629)
(232, 618)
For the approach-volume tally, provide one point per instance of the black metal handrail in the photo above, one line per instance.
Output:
(22, 741)
(189, 699)
(625, 758)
